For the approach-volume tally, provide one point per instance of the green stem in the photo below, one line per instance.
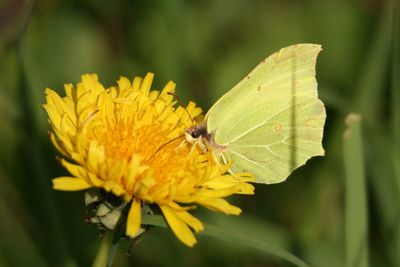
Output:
(101, 259)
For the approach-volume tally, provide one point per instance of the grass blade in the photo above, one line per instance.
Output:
(252, 242)
(234, 237)
(395, 84)
(356, 217)
(374, 73)
(395, 93)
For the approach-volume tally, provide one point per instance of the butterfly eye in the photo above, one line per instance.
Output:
(196, 133)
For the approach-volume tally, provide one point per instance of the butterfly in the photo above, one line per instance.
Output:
(272, 121)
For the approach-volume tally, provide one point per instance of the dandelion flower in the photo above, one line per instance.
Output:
(129, 141)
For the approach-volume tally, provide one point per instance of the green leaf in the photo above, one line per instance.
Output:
(356, 197)
(236, 237)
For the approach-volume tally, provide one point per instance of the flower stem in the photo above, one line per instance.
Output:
(102, 257)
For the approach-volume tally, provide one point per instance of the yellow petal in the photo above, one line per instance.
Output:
(67, 125)
(193, 110)
(87, 114)
(54, 116)
(219, 204)
(96, 181)
(117, 170)
(133, 171)
(178, 208)
(136, 83)
(96, 156)
(220, 193)
(91, 82)
(146, 84)
(237, 177)
(59, 145)
(190, 220)
(168, 88)
(134, 218)
(106, 106)
(69, 91)
(74, 169)
(70, 184)
(53, 99)
(178, 226)
(242, 188)
(154, 95)
(124, 83)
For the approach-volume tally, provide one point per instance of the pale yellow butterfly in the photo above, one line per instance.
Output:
(272, 121)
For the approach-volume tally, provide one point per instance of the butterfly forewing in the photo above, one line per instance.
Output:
(272, 121)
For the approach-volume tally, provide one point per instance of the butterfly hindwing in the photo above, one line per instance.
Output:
(271, 149)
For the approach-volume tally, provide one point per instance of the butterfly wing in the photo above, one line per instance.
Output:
(272, 120)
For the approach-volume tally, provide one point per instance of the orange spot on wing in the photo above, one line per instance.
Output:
(278, 128)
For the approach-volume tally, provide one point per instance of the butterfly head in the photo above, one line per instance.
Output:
(197, 133)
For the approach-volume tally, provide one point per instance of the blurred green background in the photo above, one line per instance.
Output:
(320, 214)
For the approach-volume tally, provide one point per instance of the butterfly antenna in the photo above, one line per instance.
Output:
(163, 145)
(177, 98)
(190, 117)
(174, 95)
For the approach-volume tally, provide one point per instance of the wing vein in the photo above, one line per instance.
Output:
(268, 119)
(252, 161)
(259, 124)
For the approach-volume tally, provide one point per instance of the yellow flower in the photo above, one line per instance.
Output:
(130, 141)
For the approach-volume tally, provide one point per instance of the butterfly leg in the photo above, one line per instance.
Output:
(229, 170)
(193, 147)
(181, 144)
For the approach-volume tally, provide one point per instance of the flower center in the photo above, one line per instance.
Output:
(166, 155)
